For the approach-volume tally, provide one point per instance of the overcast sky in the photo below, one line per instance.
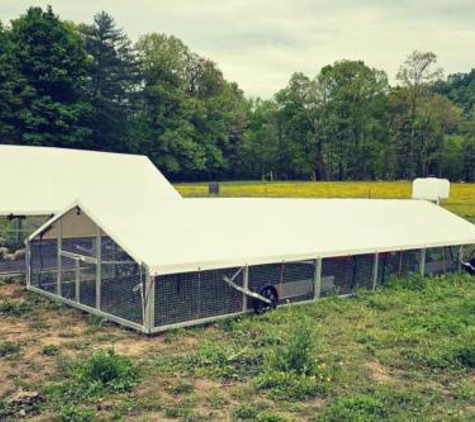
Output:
(260, 43)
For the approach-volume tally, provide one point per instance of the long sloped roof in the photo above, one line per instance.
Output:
(192, 234)
(40, 181)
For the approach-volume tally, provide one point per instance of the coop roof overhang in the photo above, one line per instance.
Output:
(202, 234)
(42, 181)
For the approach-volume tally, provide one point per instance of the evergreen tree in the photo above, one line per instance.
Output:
(112, 85)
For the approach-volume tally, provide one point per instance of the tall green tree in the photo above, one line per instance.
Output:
(417, 75)
(112, 84)
(356, 118)
(49, 57)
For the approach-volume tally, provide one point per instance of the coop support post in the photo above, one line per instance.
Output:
(317, 279)
(98, 267)
(246, 286)
(422, 266)
(460, 258)
(149, 309)
(375, 271)
(59, 280)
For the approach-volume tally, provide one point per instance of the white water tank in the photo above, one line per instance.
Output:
(431, 189)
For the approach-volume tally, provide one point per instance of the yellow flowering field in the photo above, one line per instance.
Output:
(462, 195)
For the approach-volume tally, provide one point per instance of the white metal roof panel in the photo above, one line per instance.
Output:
(192, 234)
(39, 180)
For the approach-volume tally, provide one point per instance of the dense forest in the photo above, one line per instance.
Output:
(88, 86)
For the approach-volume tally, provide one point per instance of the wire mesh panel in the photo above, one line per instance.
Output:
(337, 276)
(84, 246)
(398, 264)
(123, 287)
(363, 270)
(87, 284)
(441, 260)
(196, 295)
(43, 264)
(294, 281)
(69, 274)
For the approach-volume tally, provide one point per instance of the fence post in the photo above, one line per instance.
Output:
(149, 295)
(317, 279)
(98, 267)
(375, 270)
(423, 262)
(59, 279)
(246, 286)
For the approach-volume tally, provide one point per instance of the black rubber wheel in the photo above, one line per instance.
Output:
(269, 292)
(469, 266)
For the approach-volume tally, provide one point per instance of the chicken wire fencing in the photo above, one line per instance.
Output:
(96, 274)
(93, 273)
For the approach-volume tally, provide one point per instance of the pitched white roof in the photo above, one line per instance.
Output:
(192, 234)
(40, 181)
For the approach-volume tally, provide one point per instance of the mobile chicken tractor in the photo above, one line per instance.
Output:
(130, 249)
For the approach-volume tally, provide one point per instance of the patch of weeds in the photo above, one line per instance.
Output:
(267, 416)
(38, 324)
(288, 385)
(216, 400)
(104, 372)
(14, 308)
(182, 387)
(4, 280)
(246, 412)
(6, 409)
(95, 323)
(51, 350)
(361, 408)
(224, 361)
(252, 412)
(186, 415)
(298, 354)
(72, 413)
(9, 349)
(292, 370)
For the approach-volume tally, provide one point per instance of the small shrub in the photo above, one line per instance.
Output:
(51, 350)
(108, 370)
(104, 372)
(9, 349)
(298, 354)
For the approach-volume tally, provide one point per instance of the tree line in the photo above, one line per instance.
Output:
(88, 86)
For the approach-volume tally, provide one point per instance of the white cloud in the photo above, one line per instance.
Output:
(259, 43)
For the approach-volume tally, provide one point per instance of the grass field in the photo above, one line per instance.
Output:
(403, 353)
(462, 195)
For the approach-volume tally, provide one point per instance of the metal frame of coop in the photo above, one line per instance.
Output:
(95, 274)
